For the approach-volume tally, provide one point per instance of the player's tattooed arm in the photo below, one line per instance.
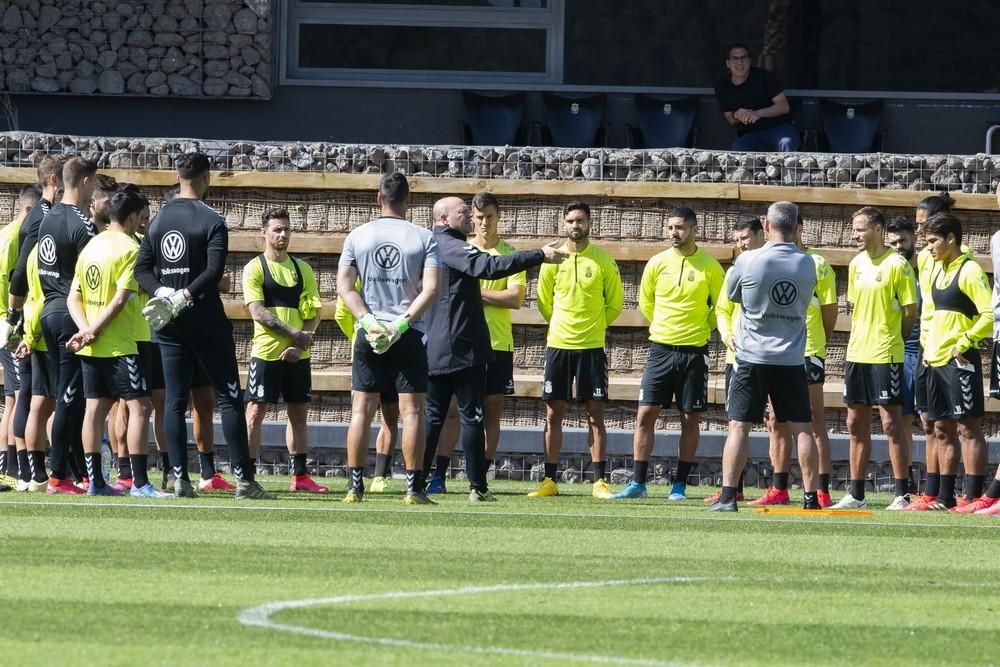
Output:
(268, 320)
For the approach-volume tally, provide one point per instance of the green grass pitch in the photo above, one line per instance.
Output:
(566, 580)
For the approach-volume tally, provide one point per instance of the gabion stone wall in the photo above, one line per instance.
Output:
(968, 173)
(180, 48)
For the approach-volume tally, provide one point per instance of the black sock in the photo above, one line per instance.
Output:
(550, 470)
(974, 486)
(933, 486)
(781, 481)
(911, 486)
(382, 464)
(413, 481)
(640, 471)
(94, 472)
(299, 464)
(75, 471)
(165, 461)
(728, 494)
(23, 465)
(900, 486)
(857, 487)
(36, 461)
(124, 467)
(357, 476)
(11, 466)
(441, 464)
(683, 470)
(992, 492)
(824, 482)
(599, 468)
(207, 460)
(739, 484)
(139, 464)
(947, 494)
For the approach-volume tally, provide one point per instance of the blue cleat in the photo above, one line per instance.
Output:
(106, 490)
(436, 485)
(677, 491)
(633, 490)
(148, 491)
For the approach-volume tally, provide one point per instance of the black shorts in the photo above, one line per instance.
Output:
(270, 381)
(956, 393)
(41, 383)
(390, 397)
(11, 376)
(500, 374)
(815, 370)
(199, 376)
(920, 385)
(676, 373)
(753, 384)
(113, 377)
(873, 384)
(152, 365)
(403, 368)
(589, 369)
(995, 371)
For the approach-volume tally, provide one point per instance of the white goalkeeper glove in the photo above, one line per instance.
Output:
(396, 329)
(375, 333)
(164, 307)
(12, 330)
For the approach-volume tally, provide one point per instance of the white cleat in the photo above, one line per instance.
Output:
(899, 503)
(849, 502)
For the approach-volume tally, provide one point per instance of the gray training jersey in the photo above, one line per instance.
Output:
(774, 284)
(390, 255)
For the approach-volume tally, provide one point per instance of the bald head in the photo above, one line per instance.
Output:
(453, 212)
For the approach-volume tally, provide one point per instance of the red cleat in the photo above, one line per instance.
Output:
(992, 510)
(215, 483)
(305, 483)
(925, 504)
(57, 486)
(976, 505)
(824, 499)
(772, 496)
(124, 483)
(718, 494)
(961, 502)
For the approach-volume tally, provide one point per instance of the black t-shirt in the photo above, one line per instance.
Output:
(757, 92)
(62, 235)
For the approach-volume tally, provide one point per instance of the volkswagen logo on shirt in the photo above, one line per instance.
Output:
(47, 250)
(173, 246)
(784, 293)
(388, 256)
(93, 276)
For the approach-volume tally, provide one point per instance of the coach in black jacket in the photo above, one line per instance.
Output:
(458, 340)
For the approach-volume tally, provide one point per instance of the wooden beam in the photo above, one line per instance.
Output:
(859, 196)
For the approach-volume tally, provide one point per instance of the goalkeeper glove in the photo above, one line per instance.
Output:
(164, 307)
(396, 328)
(12, 329)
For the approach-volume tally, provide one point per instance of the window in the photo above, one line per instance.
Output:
(440, 42)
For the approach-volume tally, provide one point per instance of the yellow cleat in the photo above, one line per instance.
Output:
(352, 497)
(547, 488)
(601, 490)
(379, 485)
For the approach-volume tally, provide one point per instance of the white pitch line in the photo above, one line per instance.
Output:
(261, 617)
(818, 521)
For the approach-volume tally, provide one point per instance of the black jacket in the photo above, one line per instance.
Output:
(457, 335)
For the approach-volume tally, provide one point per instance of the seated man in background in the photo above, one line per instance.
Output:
(753, 101)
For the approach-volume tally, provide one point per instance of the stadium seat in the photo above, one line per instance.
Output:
(664, 122)
(574, 121)
(850, 127)
(493, 119)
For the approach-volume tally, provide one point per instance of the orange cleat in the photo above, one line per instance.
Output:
(824, 499)
(976, 505)
(992, 510)
(305, 483)
(925, 504)
(718, 494)
(215, 483)
(772, 496)
(57, 486)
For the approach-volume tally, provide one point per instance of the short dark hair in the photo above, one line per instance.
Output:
(76, 169)
(737, 45)
(394, 188)
(751, 222)
(171, 193)
(684, 213)
(192, 165)
(124, 203)
(49, 165)
(30, 194)
(484, 199)
(273, 214)
(940, 203)
(942, 224)
(577, 206)
(901, 224)
(872, 215)
(132, 187)
(106, 184)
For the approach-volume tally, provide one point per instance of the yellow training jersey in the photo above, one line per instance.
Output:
(824, 295)
(879, 288)
(143, 332)
(345, 318)
(268, 345)
(580, 298)
(498, 318)
(105, 266)
(963, 309)
(925, 270)
(33, 302)
(9, 248)
(677, 294)
(726, 313)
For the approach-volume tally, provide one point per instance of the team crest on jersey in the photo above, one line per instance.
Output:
(93, 276)
(878, 277)
(47, 250)
(173, 246)
(690, 276)
(588, 272)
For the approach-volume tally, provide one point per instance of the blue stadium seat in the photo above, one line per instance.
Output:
(574, 121)
(664, 122)
(493, 120)
(851, 127)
